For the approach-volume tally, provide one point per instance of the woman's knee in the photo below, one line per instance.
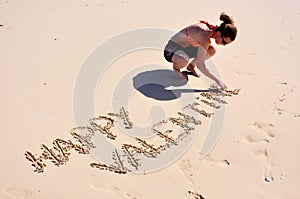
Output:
(180, 58)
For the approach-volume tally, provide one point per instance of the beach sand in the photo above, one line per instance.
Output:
(44, 46)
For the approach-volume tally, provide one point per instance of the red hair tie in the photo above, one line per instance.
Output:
(210, 26)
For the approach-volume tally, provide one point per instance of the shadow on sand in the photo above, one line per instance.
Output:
(153, 84)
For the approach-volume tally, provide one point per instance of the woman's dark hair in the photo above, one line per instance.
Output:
(227, 28)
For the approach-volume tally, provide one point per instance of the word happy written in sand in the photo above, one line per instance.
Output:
(127, 157)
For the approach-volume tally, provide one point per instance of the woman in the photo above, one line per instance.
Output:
(194, 42)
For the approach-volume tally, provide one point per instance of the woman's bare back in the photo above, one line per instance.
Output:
(197, 32)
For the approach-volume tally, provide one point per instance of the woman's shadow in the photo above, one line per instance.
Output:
(153, 84)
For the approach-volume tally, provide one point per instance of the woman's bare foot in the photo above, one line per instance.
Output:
(191, 68)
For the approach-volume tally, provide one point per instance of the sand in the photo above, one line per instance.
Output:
(44, 48)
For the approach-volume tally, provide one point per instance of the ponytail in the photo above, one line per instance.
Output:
(226, 19)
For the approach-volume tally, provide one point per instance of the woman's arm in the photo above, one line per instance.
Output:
(200, 63)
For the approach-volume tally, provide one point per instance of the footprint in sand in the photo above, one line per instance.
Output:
(112, 189)
(264, 127)
(297, 116)
(193, 195)
(26, 194)
(239, 73)
(261, 152)
(129, 196)
(282, 98)
(288, 90)
(277, 110)
(281, 177)
(185, 168)
(220, 162)
(99, 184)
(268, 177)
(254, 140)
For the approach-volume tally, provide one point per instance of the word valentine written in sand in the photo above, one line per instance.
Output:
(131, 156)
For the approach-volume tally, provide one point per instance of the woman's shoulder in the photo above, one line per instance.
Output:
(200, 31)
(199, 27)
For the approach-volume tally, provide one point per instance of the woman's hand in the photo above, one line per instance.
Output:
(223, 86)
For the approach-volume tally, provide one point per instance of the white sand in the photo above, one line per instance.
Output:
(43, 46)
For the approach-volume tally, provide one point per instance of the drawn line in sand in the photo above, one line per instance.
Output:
(59, 153)
(129, 157)
(123, 115)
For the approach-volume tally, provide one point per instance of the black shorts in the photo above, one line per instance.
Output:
(172, 47)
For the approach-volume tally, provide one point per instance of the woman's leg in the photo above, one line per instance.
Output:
(180, 59)
(191, 67)
(211, 51)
